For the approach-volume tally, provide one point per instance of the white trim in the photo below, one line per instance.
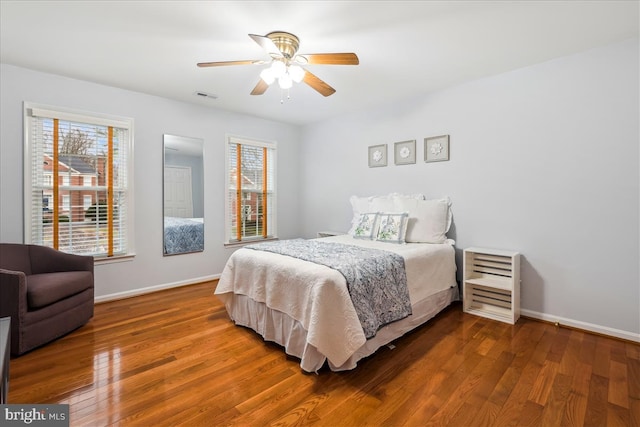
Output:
(114, 259)
(39, 110)
(150, 289)
(590, 327)
(250, 242)
(236, 139)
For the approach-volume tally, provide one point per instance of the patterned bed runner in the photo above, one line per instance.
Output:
(376, 279)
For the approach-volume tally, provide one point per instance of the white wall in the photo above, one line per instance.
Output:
(544, 160)
(153, 117)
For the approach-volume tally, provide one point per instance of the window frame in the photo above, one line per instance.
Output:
(78, 116)
(229, 237)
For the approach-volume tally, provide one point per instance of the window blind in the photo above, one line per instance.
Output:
(78, 183)
(250, 193)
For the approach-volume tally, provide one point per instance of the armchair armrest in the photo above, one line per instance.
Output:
(13, 301)
(13, 294)
(48, 260)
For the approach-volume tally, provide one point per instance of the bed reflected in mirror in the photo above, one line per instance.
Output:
(183, 195)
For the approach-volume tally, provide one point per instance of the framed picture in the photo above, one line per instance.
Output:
(378, 155)
(436, 148)
(405, 152)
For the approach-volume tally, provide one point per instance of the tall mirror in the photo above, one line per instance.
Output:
(183, 195)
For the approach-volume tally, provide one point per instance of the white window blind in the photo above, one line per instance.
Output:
(78, 183)
(250, 203)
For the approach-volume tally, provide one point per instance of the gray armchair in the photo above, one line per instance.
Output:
(46, 292)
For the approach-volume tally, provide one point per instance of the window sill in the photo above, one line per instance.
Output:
(248, 242)
(114, 259)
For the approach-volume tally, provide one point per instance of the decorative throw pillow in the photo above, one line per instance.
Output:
(367, 226)
(360, 205)
(392, 227)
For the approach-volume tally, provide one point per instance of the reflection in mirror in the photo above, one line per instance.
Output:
(183, 195)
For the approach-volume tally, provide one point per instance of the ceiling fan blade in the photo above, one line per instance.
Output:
(222, 63)
(267, 44)
(260, 88)
(328, 58)
(319, 85)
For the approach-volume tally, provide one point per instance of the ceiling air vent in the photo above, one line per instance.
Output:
(207, 95)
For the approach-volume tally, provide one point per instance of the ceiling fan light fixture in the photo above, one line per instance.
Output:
(285, 82)
(278, 69)
(267, 76)
(296, 72)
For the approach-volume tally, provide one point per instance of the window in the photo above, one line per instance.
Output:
(78, 181)
(66, 204)
(250, 203)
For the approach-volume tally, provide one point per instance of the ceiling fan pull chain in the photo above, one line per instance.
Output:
(282, 95)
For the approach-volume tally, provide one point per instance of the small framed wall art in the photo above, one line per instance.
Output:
(378, 155)
(405, 152)
(436, 148)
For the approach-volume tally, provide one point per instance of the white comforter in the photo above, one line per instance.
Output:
(317, 296)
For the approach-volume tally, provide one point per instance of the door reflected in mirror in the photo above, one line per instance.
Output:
(183, 195)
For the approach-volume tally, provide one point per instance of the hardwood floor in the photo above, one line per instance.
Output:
(174, 358)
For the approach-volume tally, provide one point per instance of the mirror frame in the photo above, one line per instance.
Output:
(183, 229)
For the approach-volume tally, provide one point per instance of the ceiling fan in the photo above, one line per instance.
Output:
(286, 63)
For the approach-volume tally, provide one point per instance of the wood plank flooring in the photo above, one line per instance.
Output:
(174, 358)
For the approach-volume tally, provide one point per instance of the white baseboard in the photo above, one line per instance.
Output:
(603, 330)
(142, 291)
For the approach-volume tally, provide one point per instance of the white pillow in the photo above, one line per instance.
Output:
(392, 227)
(367, 227)
(429, 220)
(381, 204)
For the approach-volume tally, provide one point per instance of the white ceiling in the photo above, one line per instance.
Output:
(405, 48)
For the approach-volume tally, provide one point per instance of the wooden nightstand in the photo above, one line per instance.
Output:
(491, 284)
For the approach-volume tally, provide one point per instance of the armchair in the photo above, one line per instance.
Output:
(46, 292)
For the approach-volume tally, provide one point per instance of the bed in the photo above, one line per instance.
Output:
(183, 235)
(306, 307)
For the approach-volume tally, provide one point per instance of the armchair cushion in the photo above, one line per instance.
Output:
(47, 288)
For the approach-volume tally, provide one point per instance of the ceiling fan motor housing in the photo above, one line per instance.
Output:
(287, 43)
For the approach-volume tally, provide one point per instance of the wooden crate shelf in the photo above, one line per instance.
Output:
(491, 284)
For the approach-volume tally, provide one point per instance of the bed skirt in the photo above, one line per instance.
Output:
(278, 327)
